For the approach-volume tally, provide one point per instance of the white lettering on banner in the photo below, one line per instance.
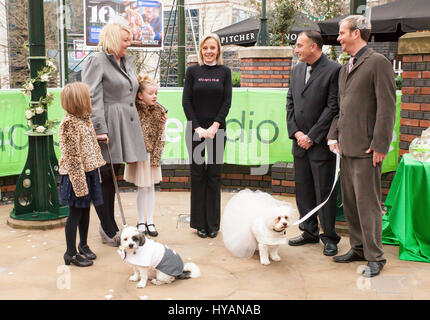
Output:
(177, 129)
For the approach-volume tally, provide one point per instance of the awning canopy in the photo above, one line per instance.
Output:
(389, 21)
(245, 32)
(242, 33)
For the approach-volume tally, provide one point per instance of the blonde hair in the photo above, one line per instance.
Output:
(76, 99)
(110, 37)
(145, 81)
(219, 56)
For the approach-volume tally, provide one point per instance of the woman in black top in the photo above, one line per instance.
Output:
(206, 100)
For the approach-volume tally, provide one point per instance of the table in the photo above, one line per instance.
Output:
(407, 221)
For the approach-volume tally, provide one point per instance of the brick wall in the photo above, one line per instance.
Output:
(265, 67)
(415, 110)
(279, 180)
(265, 72)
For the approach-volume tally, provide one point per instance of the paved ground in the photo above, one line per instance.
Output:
(32, 266)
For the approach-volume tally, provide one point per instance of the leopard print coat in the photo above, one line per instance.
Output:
(80, 151)
(153, 129)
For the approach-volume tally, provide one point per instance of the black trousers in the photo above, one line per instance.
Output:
(105, 211)
(205, 179)
(78, 218)
(314, 179)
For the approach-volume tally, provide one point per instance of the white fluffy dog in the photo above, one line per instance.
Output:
(152, 260)
(252, 218)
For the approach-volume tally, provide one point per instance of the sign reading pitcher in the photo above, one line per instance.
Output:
(144, 19)
(239, 38)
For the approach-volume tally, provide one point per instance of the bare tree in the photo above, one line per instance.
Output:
(16, 24)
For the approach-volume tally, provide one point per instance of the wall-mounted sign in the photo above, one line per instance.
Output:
(143, 17)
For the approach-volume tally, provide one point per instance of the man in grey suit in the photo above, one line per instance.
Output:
(362, 134)
(312, 103)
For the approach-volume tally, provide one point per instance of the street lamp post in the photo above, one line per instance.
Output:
(36, 196)
(263, 34)
(181, 43)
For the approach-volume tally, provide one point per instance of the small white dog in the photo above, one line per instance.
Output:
(256, 221)
(152, 260)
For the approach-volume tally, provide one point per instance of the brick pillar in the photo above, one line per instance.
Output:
(415, 111)
(265, 66)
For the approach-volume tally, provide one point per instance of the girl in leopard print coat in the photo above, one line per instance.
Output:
(145, 174)
(79, 162)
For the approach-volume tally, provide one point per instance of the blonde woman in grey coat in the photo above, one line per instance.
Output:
(111, 76)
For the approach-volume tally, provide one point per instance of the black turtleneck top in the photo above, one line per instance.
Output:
(207, 95)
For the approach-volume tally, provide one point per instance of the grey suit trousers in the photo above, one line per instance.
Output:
(361, 195)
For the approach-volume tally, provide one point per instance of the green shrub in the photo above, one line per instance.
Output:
(235, 79)
(399, 80)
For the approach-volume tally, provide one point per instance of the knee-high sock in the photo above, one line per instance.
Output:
(141, 205)
(149, 204)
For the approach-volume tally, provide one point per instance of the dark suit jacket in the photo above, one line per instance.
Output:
(312, 107)
(367, 100)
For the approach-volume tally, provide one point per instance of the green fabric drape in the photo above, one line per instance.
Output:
(407, 222)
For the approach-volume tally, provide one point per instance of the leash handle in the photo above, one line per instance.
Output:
(116, 186)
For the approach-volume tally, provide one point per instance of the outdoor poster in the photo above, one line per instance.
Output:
(145, 19)
(79, 49)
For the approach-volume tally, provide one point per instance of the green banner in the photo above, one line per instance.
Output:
(256, 129)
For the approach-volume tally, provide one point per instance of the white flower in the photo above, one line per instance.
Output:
(39, 110)
(40, 129)
(50, 64)
(29, 114)
(44, 77)
(30, 123)
(29, 87)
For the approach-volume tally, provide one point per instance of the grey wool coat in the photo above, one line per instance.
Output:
(113, 94)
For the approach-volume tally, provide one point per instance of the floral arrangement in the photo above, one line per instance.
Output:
(39, 107)
(343, 58)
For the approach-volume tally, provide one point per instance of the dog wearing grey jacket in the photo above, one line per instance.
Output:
(153, 260)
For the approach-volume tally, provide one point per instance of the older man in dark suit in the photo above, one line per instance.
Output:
(362, 133)
(312, 103)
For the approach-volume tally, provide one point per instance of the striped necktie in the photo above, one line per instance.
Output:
(351, 63)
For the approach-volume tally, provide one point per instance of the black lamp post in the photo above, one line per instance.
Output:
(36, 196)
(263, 34)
